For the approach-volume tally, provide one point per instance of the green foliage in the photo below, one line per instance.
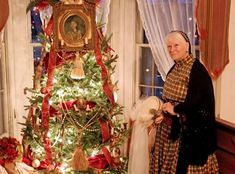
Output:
(76, 108)
(79, 124)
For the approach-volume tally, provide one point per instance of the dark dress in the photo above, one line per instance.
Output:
(186, 144)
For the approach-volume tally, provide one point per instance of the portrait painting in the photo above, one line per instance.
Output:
(74, 27)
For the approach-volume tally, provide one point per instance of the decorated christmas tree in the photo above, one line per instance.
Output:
(74, 122)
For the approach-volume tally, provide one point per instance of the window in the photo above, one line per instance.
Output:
(36, 30)
(148, 81)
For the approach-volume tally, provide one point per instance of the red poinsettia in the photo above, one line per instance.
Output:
(9, 149)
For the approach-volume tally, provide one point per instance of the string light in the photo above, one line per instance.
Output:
(63, 168)
(69, 142)
(94, 152)
(60, 92)
(50, 102)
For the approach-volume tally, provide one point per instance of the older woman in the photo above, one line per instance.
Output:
(186, 138)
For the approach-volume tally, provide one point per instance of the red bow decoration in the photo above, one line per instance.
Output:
(98, 161)
(101, 161)
(69, 104)
(91, 104)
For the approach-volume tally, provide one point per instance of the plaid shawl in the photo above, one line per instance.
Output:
(176, 84)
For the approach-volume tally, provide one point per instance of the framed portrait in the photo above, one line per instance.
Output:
(74, 27)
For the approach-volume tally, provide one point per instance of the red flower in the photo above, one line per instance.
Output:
(8, 149)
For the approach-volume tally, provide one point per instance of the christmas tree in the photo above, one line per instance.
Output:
(73, 124)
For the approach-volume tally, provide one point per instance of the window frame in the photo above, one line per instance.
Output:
(139, 45)
(4, 90)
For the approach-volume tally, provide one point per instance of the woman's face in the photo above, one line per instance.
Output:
(177, 46)
(73, 25)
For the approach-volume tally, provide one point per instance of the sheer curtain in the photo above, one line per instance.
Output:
(160, 17)
(102, 13)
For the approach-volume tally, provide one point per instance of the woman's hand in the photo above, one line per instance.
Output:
(168, 108)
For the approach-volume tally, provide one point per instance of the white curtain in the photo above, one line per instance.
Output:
(159, 17)
(102, 13)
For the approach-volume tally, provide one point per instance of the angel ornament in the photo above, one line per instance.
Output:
(146, 115)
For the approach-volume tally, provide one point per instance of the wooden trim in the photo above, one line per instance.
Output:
(225, 125)
(226, 146)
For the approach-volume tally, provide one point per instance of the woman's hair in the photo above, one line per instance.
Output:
(186, 38)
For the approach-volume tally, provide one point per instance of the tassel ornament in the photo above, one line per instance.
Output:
(79, 161)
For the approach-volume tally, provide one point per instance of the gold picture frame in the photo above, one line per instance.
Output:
(74, 27)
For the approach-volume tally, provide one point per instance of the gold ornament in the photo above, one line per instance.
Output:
(36, 163)
(77, 71)
(116, 152)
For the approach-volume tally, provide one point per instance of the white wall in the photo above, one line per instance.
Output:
(20, 63)
(122, 24)
(227, 110)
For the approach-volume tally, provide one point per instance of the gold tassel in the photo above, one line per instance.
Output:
(79, 161)
(77, 71)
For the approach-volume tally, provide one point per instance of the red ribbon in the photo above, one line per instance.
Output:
(107, 156)
(101, 161)
(46, 106)
(42, 4)
(49, 28)
(104, 73)
(104, 130)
